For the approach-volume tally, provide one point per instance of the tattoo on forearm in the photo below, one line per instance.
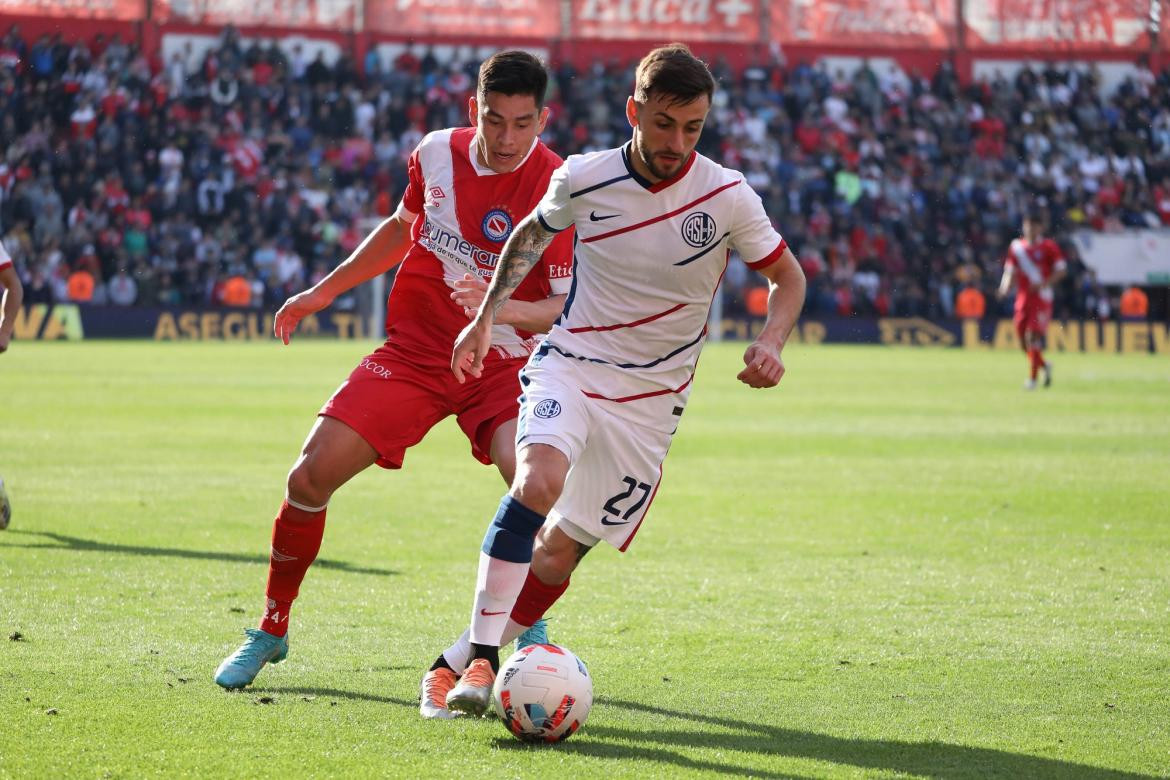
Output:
(523, 250)
(582, 549)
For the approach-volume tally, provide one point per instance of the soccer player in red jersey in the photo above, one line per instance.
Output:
(11, 295)
(467, 188)
(1034, 264)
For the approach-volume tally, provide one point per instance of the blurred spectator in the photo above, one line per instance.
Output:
(970, 304)
(122, 290)
(1135, 305)
(81, 286)
(250, 164)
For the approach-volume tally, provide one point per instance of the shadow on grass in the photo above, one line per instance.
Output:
(334, 693)
(925, 759)
(584, 747)
(64, 542)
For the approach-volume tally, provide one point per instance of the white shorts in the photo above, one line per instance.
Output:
(615, 448)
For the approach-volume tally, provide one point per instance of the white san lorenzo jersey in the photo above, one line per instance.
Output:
(647, 261)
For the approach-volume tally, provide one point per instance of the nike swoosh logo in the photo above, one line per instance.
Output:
(593, 217)
(607, 521)
(485, 613)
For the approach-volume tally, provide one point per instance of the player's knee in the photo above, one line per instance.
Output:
(304, 488)
(538, 488)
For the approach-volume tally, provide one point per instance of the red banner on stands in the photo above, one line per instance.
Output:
(122, 10)
(867, 23)
(331, 15)
(1068, 25)
(465, 18)
(667, 20)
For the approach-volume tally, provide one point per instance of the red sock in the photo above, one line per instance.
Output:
(296, 538)
(1037, 360)
(535, 599)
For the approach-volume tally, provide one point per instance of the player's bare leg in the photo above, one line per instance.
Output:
(503, 567)
(1039, 363)
(332, 454)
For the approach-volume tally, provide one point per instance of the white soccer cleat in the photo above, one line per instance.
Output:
(432, 694)
(1030, 384)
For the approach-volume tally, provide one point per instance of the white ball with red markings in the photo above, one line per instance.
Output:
(543, 693)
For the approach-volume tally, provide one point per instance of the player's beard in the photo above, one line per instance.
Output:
(648, 160)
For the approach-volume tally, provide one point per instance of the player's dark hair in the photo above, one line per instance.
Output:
(513, 72)
(674, 72)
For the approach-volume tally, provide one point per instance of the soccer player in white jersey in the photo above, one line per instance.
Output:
(10, 298)
(604, 393)
(467, 189)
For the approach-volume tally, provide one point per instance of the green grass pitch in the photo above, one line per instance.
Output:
(897, 564)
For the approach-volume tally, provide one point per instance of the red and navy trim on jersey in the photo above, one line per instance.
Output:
(718, 242)
(634, 324)
(769, 258)
(625, 399)
(651, 364)
(661, 217)
(654, 186)
(600, 185)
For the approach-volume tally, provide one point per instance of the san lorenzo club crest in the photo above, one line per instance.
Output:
(497, 225)
(698, 229)
(547, 408)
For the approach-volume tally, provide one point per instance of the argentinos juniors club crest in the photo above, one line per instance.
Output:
(497, 225)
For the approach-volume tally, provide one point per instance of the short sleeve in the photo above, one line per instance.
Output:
(414, 198)
(5, 260)
(752, 233)
(558, 263)
(554, 210)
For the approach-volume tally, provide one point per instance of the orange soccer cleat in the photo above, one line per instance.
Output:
(474, 690)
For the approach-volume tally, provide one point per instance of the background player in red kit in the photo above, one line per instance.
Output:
(1035, 264)
(467, 189)
(11, 295)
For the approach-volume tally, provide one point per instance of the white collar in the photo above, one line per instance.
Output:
(483, 170)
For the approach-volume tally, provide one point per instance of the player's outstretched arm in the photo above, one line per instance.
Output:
(523, 250)
(1005, 281)
(381, 251)
(763, 366)
(13, 296)
(532, 316)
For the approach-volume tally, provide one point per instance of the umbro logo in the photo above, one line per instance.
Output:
(595, 217)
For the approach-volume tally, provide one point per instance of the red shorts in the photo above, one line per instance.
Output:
(392, 402)
(1032, 316)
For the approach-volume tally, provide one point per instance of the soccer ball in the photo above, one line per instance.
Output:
(543, 693)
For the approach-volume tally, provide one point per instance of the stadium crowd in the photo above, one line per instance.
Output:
(238, 177)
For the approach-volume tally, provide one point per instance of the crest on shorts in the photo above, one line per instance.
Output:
(497, 225)
(698, 229)
(547, 408)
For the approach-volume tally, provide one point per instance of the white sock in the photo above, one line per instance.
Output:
(497, 585)
(458, 655)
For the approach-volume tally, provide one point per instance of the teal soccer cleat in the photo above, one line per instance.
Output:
(537, 634)
(241, 667)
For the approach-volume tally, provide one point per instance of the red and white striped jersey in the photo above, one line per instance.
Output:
(1035, 264)
(648, 260)
(463, 213)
